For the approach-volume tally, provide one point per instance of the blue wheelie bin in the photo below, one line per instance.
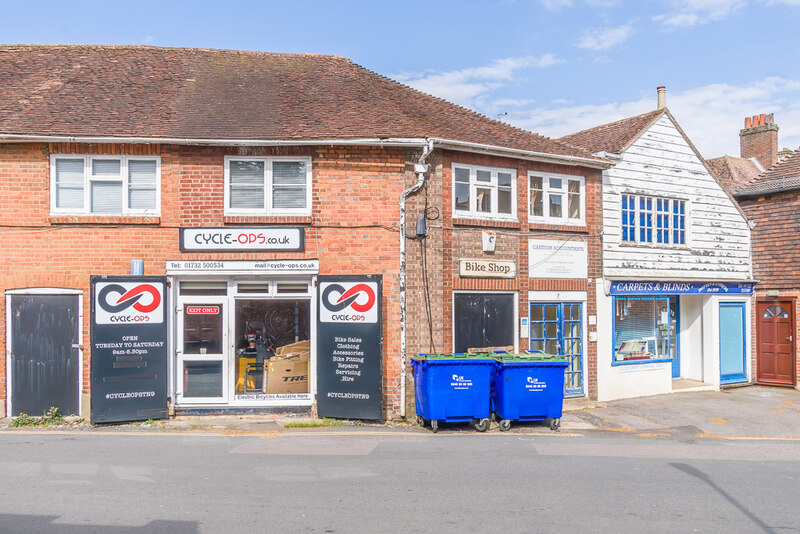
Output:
(453, 388)
(528, 387)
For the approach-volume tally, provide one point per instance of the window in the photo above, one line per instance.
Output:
(647, 219)
(267, 186)
(484, 192)
(645, 328)
(556, 198)
(105, 185)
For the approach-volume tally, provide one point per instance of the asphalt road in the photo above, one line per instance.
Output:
(394, 481)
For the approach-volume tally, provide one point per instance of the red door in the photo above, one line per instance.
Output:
(775, 343)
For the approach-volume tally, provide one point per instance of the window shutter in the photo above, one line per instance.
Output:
(247, 185)
(289, 183)
(69, 184)
(142, 183)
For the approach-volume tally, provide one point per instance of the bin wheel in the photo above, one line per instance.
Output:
(555, 423)
(505, 425)
(481, 425)
(434, 425)
(420, 420)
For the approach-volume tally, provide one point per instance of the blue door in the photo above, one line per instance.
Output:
(556, 329)
(732, 345)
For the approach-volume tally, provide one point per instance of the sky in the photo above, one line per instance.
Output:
(551, 66)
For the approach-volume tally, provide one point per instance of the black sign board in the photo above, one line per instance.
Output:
(129, 348)
(349, 347)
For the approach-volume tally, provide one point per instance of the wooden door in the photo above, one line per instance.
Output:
(775, 365)
(45, 362)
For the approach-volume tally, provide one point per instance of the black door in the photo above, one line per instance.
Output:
(482, 320)
(45, 360)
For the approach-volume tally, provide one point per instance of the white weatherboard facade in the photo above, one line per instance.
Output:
(662, 164)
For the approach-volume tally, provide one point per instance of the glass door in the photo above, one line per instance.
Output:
(202, 342)
(556, 329)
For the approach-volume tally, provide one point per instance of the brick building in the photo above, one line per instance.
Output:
(244, 178)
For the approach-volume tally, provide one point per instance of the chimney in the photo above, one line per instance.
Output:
(759, 139)
(662, 97)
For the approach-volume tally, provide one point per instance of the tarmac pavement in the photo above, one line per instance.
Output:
(747, 413)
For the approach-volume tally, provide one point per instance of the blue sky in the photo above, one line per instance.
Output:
(551, 66)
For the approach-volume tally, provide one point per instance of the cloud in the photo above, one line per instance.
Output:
(711, 115)
(556, 5)
(781, 2)
(603, 3)
(687, 13)
(469, 87)
(149, 39)
(605, 38)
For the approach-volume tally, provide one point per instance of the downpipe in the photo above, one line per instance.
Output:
(420, 168)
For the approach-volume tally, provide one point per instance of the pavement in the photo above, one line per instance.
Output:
(746, 413)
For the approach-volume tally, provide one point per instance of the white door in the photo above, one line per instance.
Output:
(202, 351)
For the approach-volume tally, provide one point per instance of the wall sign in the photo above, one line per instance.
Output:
(487, 268)
(129, 348)
(558, 259)
(681, 288)
(349, 347)
(246, 267)
(242, 239)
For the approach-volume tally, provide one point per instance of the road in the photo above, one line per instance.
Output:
(377, 480)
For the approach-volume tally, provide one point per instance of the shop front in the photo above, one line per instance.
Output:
(243, 333)
(660, 337)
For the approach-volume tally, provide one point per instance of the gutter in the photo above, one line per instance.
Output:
(544, 157)
(420, 168)
(464, 146)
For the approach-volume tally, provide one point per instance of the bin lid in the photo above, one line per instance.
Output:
(529, 357)
(457, 356)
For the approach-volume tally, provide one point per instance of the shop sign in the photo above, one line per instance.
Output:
(487, 268)
(129, 348)
(558, 258)
(240, 239)
(249, 267)
(349, 347)
(681, 288)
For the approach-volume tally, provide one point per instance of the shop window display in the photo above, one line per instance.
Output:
(645, 328)
(272, 337)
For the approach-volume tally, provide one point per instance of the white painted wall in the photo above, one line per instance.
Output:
(691, 336)
(662, 163)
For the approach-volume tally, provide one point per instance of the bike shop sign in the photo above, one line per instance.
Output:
(242, 239)
(129, 348)
(349, 347)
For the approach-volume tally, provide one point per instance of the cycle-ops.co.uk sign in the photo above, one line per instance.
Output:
(349, 347)
(129, 348)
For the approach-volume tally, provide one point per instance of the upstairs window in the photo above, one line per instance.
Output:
(267, 186)
(647, 219)
(556, 198)
(105, 185)
(484, 192)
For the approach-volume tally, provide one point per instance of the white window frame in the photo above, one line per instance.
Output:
(564, 220)
(87, 182)
(472, 212)
(268, 188)
(670, 227)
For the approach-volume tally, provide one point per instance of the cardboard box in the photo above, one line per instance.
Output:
(300, 346)
(287, 374)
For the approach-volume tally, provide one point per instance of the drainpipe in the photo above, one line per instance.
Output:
(420, 168)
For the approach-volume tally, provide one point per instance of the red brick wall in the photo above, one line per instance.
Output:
(451, 239)
(776, 256)
(353, 227)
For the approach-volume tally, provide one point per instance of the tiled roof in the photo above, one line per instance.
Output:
(613, 137)
(180, 93)
(733, 173)
(783, 176)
